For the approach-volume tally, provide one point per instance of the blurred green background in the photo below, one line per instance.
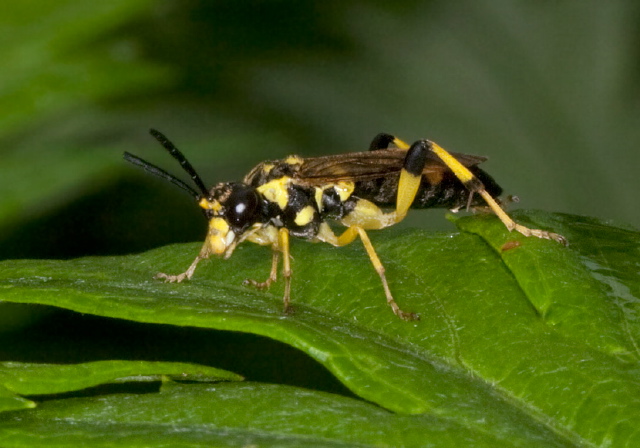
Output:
(547, 89)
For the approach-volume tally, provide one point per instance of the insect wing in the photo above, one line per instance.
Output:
(359, 166)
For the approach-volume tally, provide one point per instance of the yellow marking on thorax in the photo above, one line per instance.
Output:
(276, 191)
(305, 216)
(318, 197)
(293, 160)
(343, 188)
(267, 167)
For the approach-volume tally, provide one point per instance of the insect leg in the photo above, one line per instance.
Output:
(273, 275)
(411, 177)
(369, 216)
(382, 141)
(204, 253)
(283, 242)
(474, 185)
(380, 270)
(326, 234)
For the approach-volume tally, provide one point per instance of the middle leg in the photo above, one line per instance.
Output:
(278, 239)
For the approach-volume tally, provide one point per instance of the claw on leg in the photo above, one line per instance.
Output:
(273, 275)
(475, 186)
(408, 316)
(172, 278)
(279, 243)
(526, 231)
(348, 236)
(511, 225)
(186, 275)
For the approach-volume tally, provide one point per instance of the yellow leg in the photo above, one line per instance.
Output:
(474, 185)
(205, 252)
(411, 177)
(273, 275)
(278, 239)
(326, 234)
(367, 215)
(283, 242)
(401, 144)
(383, 140)
(407, 189)
(380, 270)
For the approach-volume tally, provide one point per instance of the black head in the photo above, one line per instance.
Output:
(231, 208)
(237, 203)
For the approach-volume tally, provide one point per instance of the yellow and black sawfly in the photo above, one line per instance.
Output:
(362, 191)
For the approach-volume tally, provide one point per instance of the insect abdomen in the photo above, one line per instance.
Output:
(446, 192)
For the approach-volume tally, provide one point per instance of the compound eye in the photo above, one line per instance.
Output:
(241, 206)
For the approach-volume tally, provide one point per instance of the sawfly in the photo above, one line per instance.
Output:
(298, 197)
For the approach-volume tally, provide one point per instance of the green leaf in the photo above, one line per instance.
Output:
(246, 414)
(567, 287)
(11, 402)
(37, 379)
(40, 379)
(527, 342)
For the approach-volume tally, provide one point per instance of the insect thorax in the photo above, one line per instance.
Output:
(291, 203)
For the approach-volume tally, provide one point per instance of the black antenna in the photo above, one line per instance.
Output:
(160, 173)
(176, 154)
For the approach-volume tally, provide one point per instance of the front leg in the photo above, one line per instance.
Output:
(205, 252)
